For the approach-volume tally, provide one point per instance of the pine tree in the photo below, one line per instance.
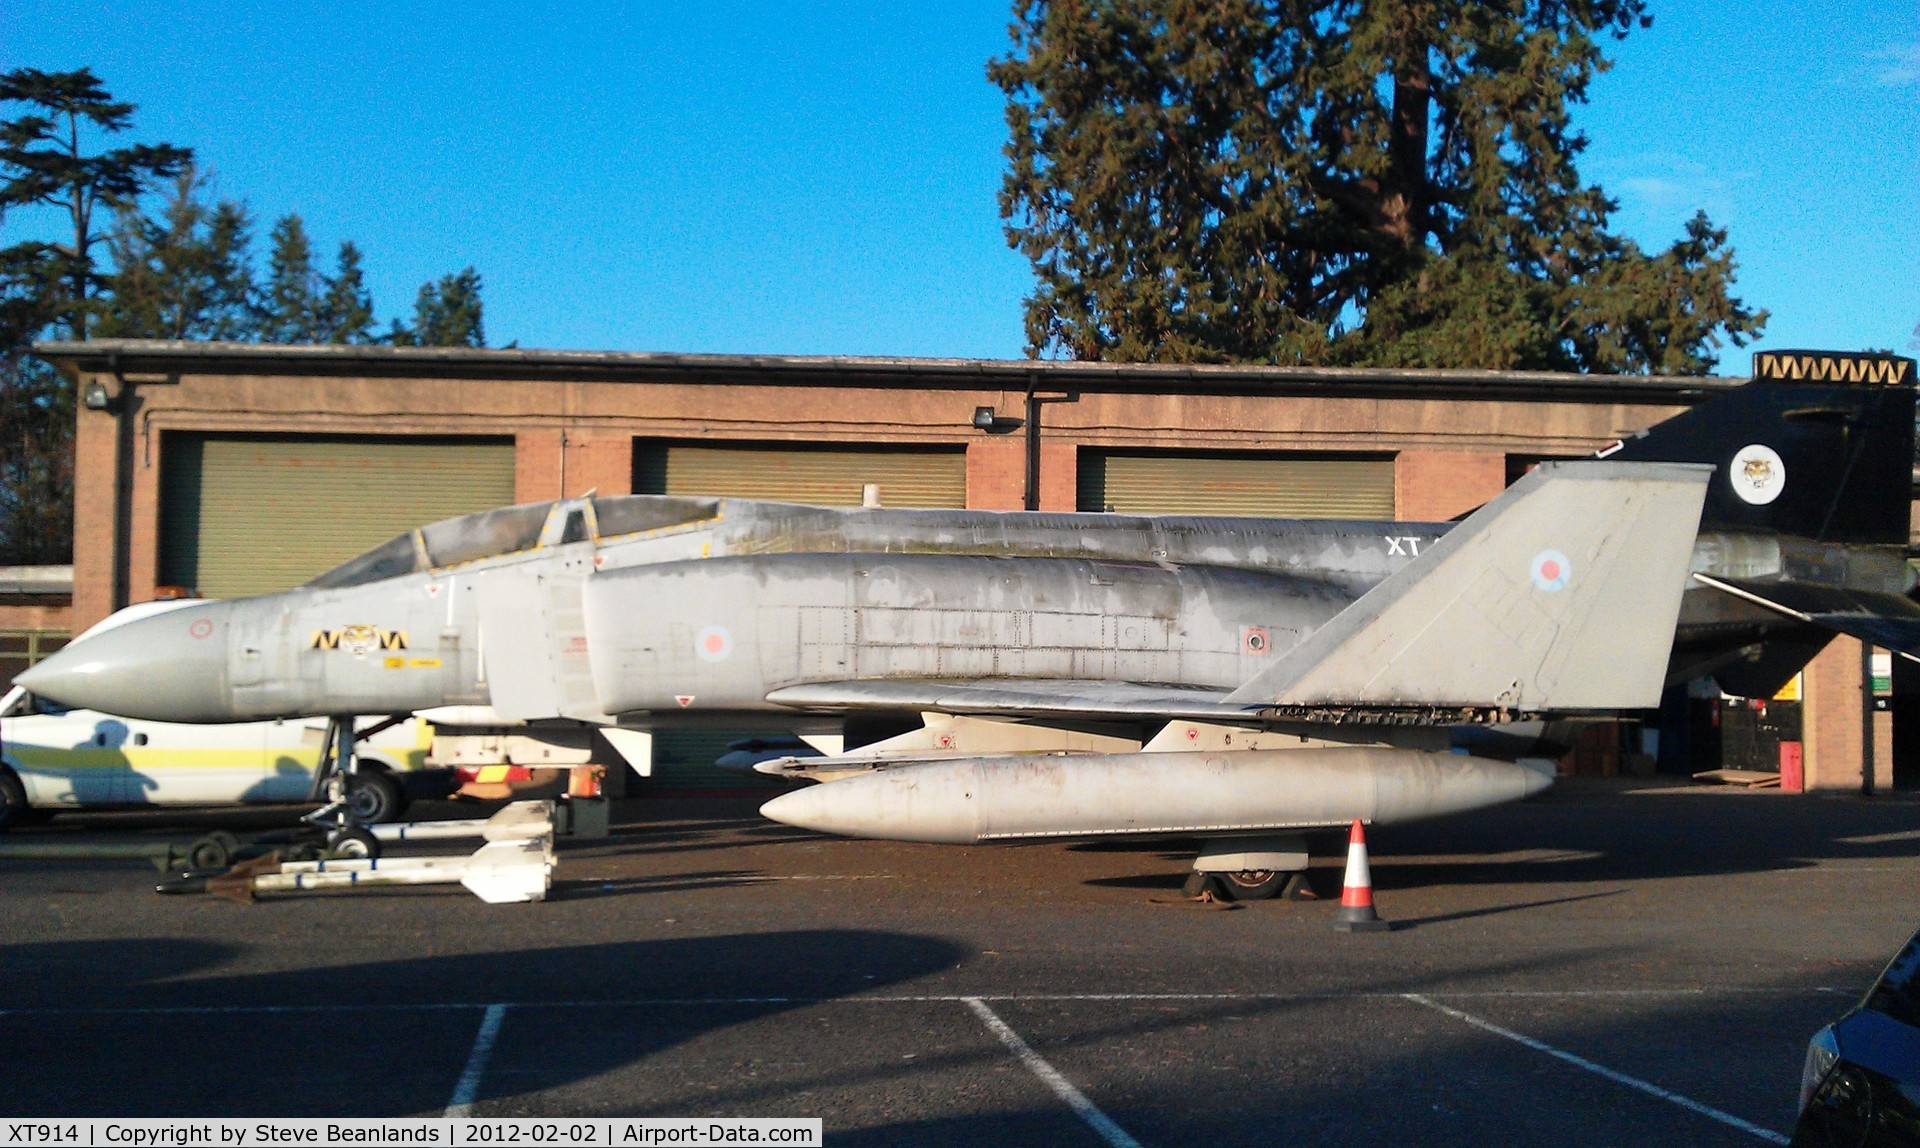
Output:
(187, 274)
(446, 313)
(45, 162)
(346, 311)
(292, 299)
(1331, 181)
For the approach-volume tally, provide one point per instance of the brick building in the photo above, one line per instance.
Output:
(229, 469)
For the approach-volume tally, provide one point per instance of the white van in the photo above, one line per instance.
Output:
(53, 759)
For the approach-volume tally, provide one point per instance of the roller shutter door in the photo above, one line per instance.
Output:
(927, 476)
(1266, 486)
(251, 514)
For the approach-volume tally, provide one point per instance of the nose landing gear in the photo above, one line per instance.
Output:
(349, 807)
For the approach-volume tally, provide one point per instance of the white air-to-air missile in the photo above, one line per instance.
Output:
(1235, 680)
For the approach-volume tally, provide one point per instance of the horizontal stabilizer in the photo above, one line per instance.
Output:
(1560, 594)
(1874, 617)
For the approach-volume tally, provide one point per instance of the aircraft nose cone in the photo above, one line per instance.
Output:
(166, 667)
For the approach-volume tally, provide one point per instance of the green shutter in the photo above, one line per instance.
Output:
(252, 514)
(1239, 484)
(924, 476)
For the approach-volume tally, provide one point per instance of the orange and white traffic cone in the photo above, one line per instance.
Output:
(1356, 893)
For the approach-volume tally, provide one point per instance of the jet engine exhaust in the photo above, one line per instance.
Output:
(975, 800)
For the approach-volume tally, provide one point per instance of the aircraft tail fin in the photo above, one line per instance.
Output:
(1561, 594)
(1819, 444)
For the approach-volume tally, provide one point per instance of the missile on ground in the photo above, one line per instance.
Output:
(975, 800)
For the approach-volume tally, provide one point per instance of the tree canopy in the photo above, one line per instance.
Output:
(130, 264)
(1337, 182)
(47, 163)
(445, 314)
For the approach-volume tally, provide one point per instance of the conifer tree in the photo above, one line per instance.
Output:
(50, 160)
(1336, 181)
(346, 310)
(446, 313)
(45, 161)
(292, 299)
(187, 274)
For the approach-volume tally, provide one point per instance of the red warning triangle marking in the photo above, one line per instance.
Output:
(685, 700)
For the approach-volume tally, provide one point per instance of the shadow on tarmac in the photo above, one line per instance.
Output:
(1595, 833)
(1358, 1066)
(154, 1027)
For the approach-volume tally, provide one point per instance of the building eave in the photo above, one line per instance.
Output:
(168, 359)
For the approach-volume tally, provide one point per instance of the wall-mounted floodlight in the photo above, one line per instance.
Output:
(95, 396)
(985, 419)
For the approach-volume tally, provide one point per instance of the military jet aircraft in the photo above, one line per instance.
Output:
(1234, 680)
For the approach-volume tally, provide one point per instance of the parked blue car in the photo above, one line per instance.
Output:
(1860, 1086)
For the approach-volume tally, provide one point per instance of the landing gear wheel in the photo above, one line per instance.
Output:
(374, 798)
(13, 800)
(214, 851)
(1253, 884)
(354, 844)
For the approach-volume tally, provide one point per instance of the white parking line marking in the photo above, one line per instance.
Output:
(460, 1104)
(1632, 1082)
(1097, 1120)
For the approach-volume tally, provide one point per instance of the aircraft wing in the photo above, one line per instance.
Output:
(1877, 618)
(1006, 696)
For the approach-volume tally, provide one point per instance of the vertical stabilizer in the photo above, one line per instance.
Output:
(1819, 444)
(1562, 593)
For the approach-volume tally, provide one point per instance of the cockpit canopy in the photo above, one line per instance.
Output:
(511, 529)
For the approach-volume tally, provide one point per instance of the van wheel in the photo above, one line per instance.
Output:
(13, 800)
(375, 798)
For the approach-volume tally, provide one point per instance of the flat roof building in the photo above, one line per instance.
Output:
(227, 469)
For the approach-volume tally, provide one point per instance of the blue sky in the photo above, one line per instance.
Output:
(821, 179)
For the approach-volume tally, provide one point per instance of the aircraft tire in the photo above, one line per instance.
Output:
(13, 800)
(375, 798)
(1254, 884)
(356, 844)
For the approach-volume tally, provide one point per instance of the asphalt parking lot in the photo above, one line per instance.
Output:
(1614, 963)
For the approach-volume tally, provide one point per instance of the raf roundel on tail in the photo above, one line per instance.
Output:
(1551, 570)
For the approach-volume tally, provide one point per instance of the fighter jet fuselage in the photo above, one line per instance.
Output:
(713, 604)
